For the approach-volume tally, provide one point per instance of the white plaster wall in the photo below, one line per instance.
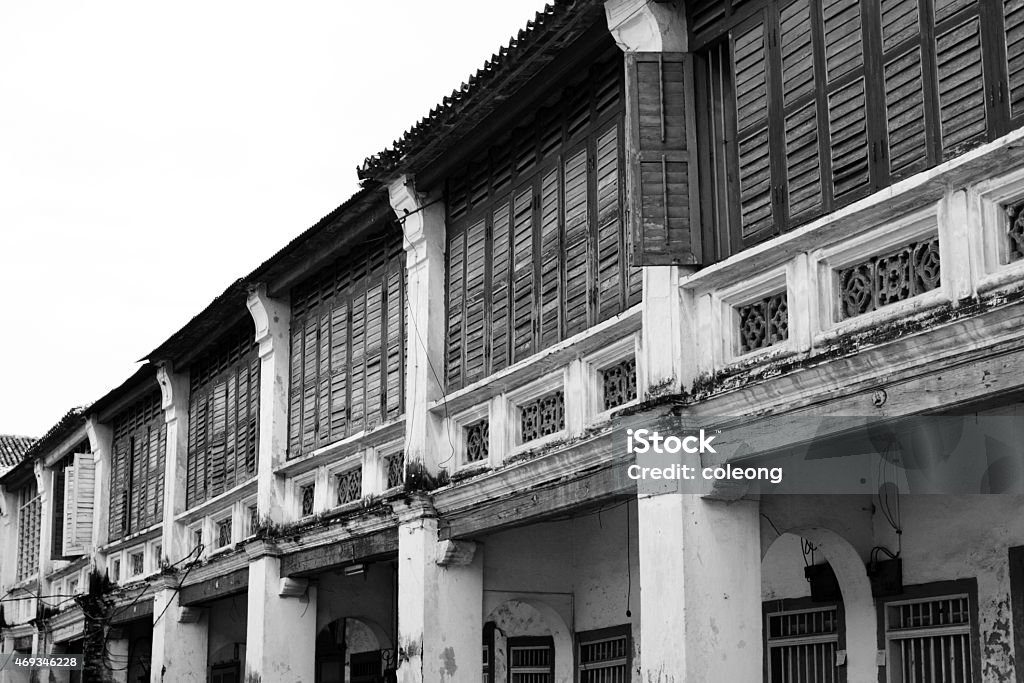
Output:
(576, 568)
(782, 570)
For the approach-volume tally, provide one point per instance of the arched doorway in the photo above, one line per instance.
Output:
(803, 636)
(528, 641)
(352, 650)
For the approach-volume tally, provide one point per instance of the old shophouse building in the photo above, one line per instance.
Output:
(396, 450)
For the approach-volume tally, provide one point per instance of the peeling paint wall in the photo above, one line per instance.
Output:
(944, 538)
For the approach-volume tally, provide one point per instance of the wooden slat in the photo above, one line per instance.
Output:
(961, 87)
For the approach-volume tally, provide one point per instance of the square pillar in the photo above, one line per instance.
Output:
(423, 223)
(174, 398)
(280, 636)
(180, 638)
(700, 572)
(272, 318)
(440, 603)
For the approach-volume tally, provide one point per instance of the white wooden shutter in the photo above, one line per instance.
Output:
(79, 488)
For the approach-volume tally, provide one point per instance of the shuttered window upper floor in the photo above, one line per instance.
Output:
(536, 233)
(137, 467)
(348, 345)
(223, 416)
(804, 106)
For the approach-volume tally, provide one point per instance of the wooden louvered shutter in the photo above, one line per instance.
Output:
(1013, 39)
(661, 151)
(474, 302)
(576, 247)
(549, 275)
(845, 79)
(610, 245)
(801, 112)
(501, 287)
(357, 369)
(339, 369)
(909, 123)
(963, 108)
(456, 307)
(295, 383)
(323, 382)
(523, 278)
(79, 492)
(395, 364)
(309, 365)
(749, 48)
(374, 366)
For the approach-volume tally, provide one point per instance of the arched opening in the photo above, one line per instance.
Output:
(353, 650)
(530, 642)
(805, 635)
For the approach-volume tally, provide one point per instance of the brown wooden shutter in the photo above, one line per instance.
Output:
(523, 296)
(295, 393)
(800, 111)
(749, 47)
(339, 369)
(395, 336)
(961, 83)
(577, 243)
(610, 246)
(661, 145)
(374, 353)
(1013, 34)
(550, 257)
(474, 302)
(907, 128)
(501, 288)
(323, 400)
(456, 308)
(357, 371)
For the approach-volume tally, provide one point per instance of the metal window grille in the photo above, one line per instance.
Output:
(619, 383)
(929, 640)
(395, 469)
(763, 323)
(350, 485)
(477, 440)
(487, 664)
(894, 276)
(29, 520)
(802, 646)
(1015, 232)
(306, 499)
(531, 660)
(224, 532)
(604, 660)
(542, 417)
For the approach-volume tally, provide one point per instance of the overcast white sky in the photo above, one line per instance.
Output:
(150, 154)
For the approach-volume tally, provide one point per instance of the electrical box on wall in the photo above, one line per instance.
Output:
(824, 585)
(886, 577)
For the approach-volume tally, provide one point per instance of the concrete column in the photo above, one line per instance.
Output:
(423, 225)
(281, 631)
(647, 26)
(101, 443)
(180, 638)
(118, 653)
(440, 602)
(174, 393)
(700, 569)
(44, 483)
(273, 320)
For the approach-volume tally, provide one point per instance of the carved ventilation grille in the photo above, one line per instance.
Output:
(619, 383)
(542, 417)
(306, 498)
(895, 276)
(224, 532)
(1015, 232)
(395, 464)
(764, 323)
(350, 485)
(477, 438)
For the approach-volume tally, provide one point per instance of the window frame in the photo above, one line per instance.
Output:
(607, 633)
